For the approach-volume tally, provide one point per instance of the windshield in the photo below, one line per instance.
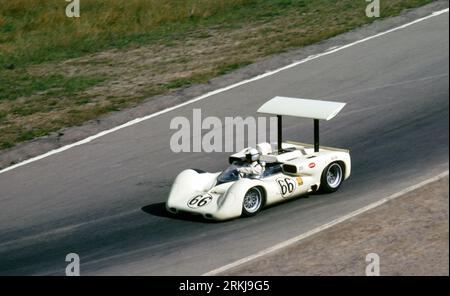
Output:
(231, 173)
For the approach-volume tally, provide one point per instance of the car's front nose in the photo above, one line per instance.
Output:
(204, 204)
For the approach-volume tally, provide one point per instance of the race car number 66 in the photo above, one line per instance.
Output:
(199, 201)
(287, 186)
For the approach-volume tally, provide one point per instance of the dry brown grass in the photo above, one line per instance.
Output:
(31, 22)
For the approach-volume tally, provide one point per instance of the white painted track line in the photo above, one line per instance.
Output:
(325, 226)
(221, 90)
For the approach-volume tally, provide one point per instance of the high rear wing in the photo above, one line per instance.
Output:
(314, 109)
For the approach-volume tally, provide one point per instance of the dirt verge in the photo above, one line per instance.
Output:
(410, 234)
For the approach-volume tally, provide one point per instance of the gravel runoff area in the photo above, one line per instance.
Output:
(410, 234)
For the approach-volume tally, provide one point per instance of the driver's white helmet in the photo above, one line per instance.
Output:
(252, 155)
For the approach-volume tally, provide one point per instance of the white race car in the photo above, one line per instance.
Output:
(289, 169)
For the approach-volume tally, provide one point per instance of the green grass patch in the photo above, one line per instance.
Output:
(177, 83)
(231, 67)
(15, 84)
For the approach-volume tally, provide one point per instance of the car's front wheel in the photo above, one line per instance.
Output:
(253, 201)
(332, 177)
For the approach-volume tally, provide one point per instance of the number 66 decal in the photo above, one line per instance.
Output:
(287, 186)
(199, 201)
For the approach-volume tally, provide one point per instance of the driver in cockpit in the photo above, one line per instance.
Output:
(253, 166)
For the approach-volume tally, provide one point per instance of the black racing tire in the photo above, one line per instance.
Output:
(253, 201)
(332, 177)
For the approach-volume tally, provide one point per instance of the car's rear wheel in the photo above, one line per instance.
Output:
(332, 177)
(253, 201)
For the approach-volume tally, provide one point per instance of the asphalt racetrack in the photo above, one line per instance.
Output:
(105, 200)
